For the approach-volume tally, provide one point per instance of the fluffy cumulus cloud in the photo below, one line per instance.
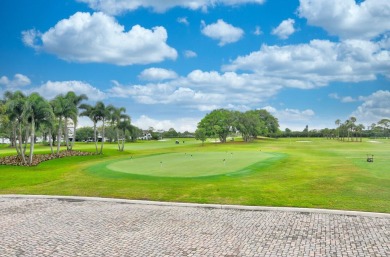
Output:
(100, 38)
(285, 29)
(374, 107)
(51, 89)
(317, 63)
(292, 118)
(290, 114)
(203, 91)
(18, 81)
(157, 74)
(115, 7)
(348, 18)
(181, 124)
(223, 32)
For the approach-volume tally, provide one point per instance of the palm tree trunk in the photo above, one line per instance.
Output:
(26, 140)
(51, 141)
(94, 131)
(14, 140)
(59, 135)
(66, 133)
(123, 140)
(117, 138)
(74, 136)
(101, 146)
(21, 144)
(32, 140)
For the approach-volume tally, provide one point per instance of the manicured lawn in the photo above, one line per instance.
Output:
(317, 173)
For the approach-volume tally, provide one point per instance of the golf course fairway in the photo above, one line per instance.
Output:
(197, 164)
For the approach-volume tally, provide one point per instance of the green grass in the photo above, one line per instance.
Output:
(191, 164)
(320, 173)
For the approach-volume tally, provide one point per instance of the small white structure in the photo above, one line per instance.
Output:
(4, 141)
(145, 136)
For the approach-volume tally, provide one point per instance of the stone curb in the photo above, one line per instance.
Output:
(197, 205)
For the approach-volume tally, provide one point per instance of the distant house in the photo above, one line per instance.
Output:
(4, 141)
(145, 135)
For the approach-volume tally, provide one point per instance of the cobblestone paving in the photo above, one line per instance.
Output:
(69, 227)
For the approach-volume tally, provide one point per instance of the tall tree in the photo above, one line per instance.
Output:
(97, 113)
(359, 129)
(36, 111)
(200, 134)
(385, 124)
(14, 106)
(353, 127)
(124, 125)
(271, 123)
(118, 121)
(250, 125)
(76, 101)
(338, 122)
(218, 123)
(63, 108)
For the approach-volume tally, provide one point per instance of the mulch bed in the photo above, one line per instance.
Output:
(38, 158)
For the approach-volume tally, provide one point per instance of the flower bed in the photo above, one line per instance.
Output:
(38, 158)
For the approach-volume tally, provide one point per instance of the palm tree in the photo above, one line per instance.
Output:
(14, 110)
(338, 122)
(76, 101)
(36, 110)
(373, 126)
(347, 125)
(352, 126)
(62, 108)
(118, 119)
(89, 112)
(360, 128)
(124, 125)
(97, 113)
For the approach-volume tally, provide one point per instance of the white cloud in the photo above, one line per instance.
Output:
(190, 54)
(345, 99)
(374, 108)
(100, 38)
(257, 31)
(180, 125)
(292, 118)
(347, 18)
(115, 7)
(289, 115)
(18, 81)
(51, 89)
(183, 20)
(157, 74)
(317, 63)
(31, 38)
(223, 32)
(203, 91)
(285, 29)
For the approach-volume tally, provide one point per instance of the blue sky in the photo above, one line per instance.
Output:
(169, 63)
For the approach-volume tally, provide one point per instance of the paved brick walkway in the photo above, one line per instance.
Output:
(76, 227)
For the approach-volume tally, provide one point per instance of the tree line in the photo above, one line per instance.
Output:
(250, 124)
(22, 116)
(348, 130)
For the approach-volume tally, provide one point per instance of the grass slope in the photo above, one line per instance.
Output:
(320, 173)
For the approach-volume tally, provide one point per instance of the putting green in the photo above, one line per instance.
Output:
(198, 164)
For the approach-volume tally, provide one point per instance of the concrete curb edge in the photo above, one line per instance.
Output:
(197, 205)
